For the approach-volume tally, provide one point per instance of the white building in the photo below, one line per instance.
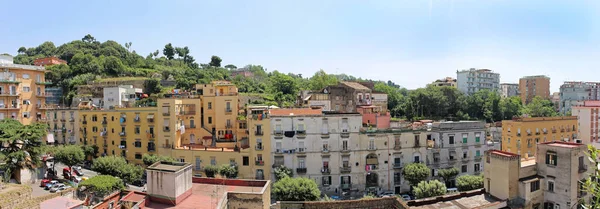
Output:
(320, 146)
(457, 144)
(509, 89)
(120, 96)
(472, 80)
(588, 116)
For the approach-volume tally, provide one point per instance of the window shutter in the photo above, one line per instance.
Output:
(555, 159)
(547, 161)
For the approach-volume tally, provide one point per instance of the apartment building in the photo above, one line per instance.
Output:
(448, 81)
(573, 93)
(120, 96)
(509, 90)
(532, 86)
(48, 61)
(345, 97)
(318, 145)
(588, 117)
(259, 141)
(63, 125)
(459, 145)
(521, 135)
(551, 180)
(472, 80)
(22, 91)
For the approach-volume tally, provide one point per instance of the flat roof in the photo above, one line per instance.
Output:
(206, 196)
(295, 112)
(528, 162)
(134, 197)
(60, 202)
(503, 153)
(168, 166)
(465, 202)
(562, 144)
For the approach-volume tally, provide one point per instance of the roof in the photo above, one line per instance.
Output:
(168, 166)
(562, 144)
(528, 162)
(134, 197)
(355, 85)
(470, 199)
(60, 203)
(295, 112)
(208, 195)
(503, 153)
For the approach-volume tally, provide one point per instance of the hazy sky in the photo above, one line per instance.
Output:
(411, 42)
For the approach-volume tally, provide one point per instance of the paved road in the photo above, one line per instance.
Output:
(89, 173)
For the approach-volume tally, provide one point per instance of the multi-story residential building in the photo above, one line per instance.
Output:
(320, 146)
(509, 89)
(554, 179)
(259, 141)
(120, 96)
(48, 61)
(532, 86)
(448, 81)
(22, 91)
(345, 97)
(521, 135)
(457, 144)
(472, 80)
(555, 98)
(587, 120)
(64, 126)
(574, 93)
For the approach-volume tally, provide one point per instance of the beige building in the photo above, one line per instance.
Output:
(587, 119)
(532, 86)
(521, 135)
(551, 180)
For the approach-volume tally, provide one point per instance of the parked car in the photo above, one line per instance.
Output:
(138, 183)
(59, 187)
(44, 182)
(50, 184)
(54, 186)
(76, 179)
(406, 197)
(77, 170)
(386, 194)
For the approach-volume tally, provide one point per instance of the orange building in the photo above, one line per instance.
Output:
(22, 91)
(532, 86)
(48, 61)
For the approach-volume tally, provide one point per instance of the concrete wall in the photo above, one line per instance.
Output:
(501, 175)
(169, 185)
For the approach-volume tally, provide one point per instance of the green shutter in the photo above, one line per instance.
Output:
(464, 140)
(555, 159)
(476, 139)
(547, 159)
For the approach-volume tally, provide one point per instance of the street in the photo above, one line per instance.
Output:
(89, 173)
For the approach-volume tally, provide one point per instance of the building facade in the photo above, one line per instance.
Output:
(22, 92)
(48, 61)
(551, 180)
(459, 145)
(448, 81)
(587, 120)
(532, 86)
(120, 96)
(509, 90)
(64, 126)
(54, 95)
(574, 93)
(473, 80)
(521, 135)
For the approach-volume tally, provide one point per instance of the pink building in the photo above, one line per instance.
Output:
(372, 116)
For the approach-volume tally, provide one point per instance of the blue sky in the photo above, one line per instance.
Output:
(411, 42)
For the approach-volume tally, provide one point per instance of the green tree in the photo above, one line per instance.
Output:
(149, 159)
(321, 80)
(469, 182)
(447, 174)
(540, 107)
(70, 155)
(118, 167)
(427, 189)
(22, 50)
(511, 107)
(102, 184)
(21, 145)
(169, 51)
(230, 67)
(282, 172)
(211, 170)
(215, 61)
(592, 183)
(295, 189)
(90, 151)
(88, 38)
(152, 86)
(415, 173)
(228, 171)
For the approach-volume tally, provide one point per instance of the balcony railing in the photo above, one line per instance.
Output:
(397, 165)
(301, 132)
(84, 122)
(258, 133)
(397, 146)
(325, 171)
(123, 133)
(104, 122)
(345, 169)
(372, 148)
(166, 113)
(301, 150)
(15, 94)
(583, 168)
(166, 129)
(345, 150)
(259, 162)
(346, 186)
(258, 147)
(300, 170)
(278, 132)
(137, 120)
(228, 111)
(151, 149)
(46, 82)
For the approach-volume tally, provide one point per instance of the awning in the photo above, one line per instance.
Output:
(50, 138)
(151, 116)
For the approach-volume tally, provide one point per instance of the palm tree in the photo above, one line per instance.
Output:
(21, 145)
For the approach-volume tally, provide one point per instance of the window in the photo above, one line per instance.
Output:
(464, 137)
(209, 120)
(209, 105)
(465, 154)
(534, 186)
(25, 114)
(137, 130)
(25, 76)
(138, 156)
(477, 153)
(550, 185)
(138, 144)
(551, 158)
(26, 89)
(371, 143)
(198, 162)
(345, 145)
(245, 161)
(325, 145)
(301, 162)
(477, 137)
(181, 160)
(451, 139)
(476, 167)
(213, 161)
(326, 180)
(464, 168)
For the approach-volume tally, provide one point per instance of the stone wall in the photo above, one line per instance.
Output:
(15, 196)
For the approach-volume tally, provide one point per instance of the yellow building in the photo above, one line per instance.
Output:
(522, 134)
(22, 92)
(62, 125)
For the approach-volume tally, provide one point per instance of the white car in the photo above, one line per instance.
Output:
(406, 197)
(59, 188)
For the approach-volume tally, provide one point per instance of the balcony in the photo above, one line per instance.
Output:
(71, 119)
(301, 132)
(397, 146)
(104, 122)
(325, 171)
(346, 186)
(151, 149)
(123, 134)
(166, 114)
(84, 122)
(278, 132)
(478, 158)
(345, 133)
(451, 159)
(150, 135)
(150, 120)
(397, 165)
(301, 150)
(9, 81)
(372, 148)
(259, 162)
(42, 94)
(136, 119)
(258, 133)
(166, 129)
(228, 111)
(46, 82)
(345, 169)
(325, 150)
(42, 120)
(9, 94)
(345, 150)
(258, 147)
(583, 168)
(301, 170)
